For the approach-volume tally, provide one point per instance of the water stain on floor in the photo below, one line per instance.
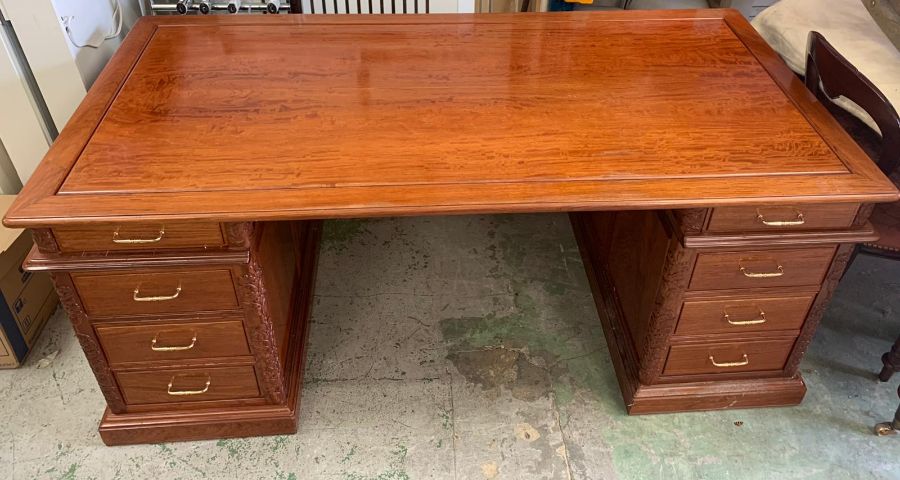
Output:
(499, 367)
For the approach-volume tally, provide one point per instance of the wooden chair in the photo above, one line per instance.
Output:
(829, 75)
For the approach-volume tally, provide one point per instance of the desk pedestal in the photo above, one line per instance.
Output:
(197, 343)
(696, 320)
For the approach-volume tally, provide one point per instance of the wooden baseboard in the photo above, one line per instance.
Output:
(671, 397)
(721, 395)
(137, 428)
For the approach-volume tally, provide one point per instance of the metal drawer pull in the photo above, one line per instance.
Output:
(741, 363)
(174, 348)
(779, 271)
(116, 239)
(188, 392)
(756, 321)
(798, 220)
(138, 298)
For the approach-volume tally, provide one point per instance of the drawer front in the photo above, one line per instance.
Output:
(156, 291)
(136, 342)
(782, 218)
(761, 268)
(728, 357)
(735, 315)
(141, 236)
(188, 385)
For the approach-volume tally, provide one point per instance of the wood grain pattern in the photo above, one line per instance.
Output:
(777, 312)
(805, 217)
(443, 85)
(691, 359)
(638, 250)
(152, 386)
(100, 237)
(129, 342)
(800, 266)
(112, 293)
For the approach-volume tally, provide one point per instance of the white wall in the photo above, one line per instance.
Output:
(64, 71)
(22, 133)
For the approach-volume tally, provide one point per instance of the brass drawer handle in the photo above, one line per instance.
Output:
(799, 219)
(741, 363)
(779, 271)
(174, 348)
(116, 239)
(138, 298)
(756, 321)
(188, 392)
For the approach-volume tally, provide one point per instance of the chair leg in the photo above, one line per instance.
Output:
(890, 428)
(891, 361)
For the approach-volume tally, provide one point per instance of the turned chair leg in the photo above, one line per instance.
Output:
(891, 361)
(890, 428)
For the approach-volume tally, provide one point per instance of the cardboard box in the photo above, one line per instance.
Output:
(28, 298)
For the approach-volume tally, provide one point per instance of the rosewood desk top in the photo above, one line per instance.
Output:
(235, 118)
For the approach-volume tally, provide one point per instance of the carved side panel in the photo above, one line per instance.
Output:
(838, 265)
(238, 235)
(676, 276)
(88, 340)
(44, 240)
(261, 332)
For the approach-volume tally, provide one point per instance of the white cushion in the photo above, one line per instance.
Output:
(847, 25)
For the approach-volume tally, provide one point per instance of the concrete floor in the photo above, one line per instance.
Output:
(469, 348)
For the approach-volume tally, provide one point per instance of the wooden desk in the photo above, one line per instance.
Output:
(179, 210)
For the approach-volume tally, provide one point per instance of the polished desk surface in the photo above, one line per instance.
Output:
(270, 117)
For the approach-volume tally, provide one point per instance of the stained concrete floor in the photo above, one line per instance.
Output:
(469, 348)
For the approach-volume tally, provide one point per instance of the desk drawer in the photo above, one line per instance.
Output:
(188, 384)
(738, 315)
(140, 236)
(782, 218)
(761, 268)
(728, 357)
(156, 291)
(188, 340)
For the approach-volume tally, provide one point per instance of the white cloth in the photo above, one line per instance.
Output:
(847, 25)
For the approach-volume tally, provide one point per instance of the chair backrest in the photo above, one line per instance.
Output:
(829, 75)
(360, 6)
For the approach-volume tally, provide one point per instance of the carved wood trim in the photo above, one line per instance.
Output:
(676, 275)
(238, 235)
(88, 340)
(44, 239)
(838, 265)
(691, 220)
(261, 332)
(862, 216)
